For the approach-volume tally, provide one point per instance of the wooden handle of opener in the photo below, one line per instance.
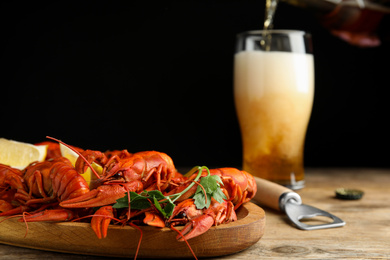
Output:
(268, 193)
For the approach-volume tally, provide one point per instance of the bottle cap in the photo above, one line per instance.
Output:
(349, 194)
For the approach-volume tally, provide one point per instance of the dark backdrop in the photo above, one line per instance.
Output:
(158, 76)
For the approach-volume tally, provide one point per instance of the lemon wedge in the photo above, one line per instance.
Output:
(72, 157)
(19, 155)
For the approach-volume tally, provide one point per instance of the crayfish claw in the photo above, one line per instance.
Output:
(152, 219)
(8, 210)
(49, 215)
(196, 227)
(101, 220)
(5, 206)
(100, 196)
(91, 156)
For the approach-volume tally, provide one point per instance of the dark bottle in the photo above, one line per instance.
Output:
(355, 21)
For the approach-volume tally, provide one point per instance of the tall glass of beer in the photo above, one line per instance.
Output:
(273, 91)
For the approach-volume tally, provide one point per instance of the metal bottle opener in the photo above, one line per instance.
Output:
(281, 198)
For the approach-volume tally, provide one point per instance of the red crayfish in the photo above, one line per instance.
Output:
(238, 186)
(54, 190)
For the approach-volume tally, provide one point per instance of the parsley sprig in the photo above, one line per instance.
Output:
(211, 185)
(165, 204)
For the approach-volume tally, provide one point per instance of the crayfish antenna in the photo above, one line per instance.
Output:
(74, 150)
(185, 240)
(140, 238)
(23, 215)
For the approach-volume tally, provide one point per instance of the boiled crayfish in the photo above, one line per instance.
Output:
(54, 190)
(238, 186)
(43, 184)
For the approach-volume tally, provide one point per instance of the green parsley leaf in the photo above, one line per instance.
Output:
(154, 194)
(211, 185)
(200, 200)
(144, 200)
(121, 203)
(167, 210)
(218, 195)
(165, 204)
(169, 207)
(137, 201)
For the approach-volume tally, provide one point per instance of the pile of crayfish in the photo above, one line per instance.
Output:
(142, 188)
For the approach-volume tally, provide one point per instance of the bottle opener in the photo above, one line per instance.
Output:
(281, 198)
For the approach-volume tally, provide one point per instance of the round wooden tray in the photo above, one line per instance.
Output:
(78, 238)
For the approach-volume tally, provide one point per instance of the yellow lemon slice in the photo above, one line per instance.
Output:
(19, 155)
(72, 157)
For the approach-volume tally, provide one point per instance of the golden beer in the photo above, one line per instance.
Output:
(274, 92)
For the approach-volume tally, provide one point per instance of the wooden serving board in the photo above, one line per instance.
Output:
(79, 238)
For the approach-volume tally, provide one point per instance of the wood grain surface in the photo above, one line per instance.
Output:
(79, 238)
(365, 236)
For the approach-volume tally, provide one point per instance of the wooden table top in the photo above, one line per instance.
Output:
(365, 236)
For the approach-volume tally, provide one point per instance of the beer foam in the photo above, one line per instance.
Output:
(260, 72)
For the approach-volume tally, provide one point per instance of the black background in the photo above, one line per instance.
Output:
(158, 76)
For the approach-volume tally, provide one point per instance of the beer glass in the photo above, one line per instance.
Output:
(273, 92)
